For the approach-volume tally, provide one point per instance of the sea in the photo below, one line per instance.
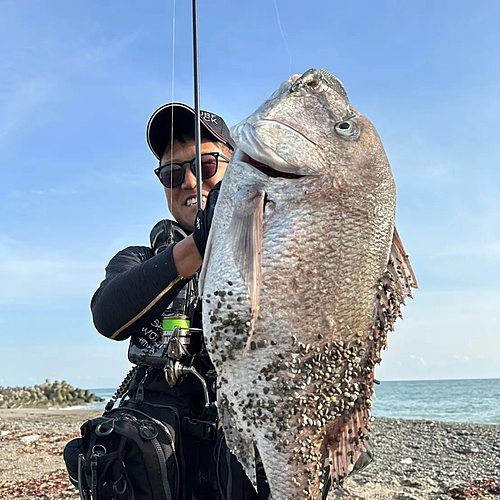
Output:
(470, 401)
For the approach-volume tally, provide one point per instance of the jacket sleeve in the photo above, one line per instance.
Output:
(137, 288)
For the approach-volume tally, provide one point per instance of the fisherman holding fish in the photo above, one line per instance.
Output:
(275, 372)
(150, 296)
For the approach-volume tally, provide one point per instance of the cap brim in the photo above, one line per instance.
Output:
(177, 118)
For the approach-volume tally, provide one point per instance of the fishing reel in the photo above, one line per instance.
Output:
(155, 344)
(172, 350)
(176, 338)
(179, 358)
(168, 339)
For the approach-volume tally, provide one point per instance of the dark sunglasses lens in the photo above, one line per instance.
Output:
(172, 175)
(208, 166)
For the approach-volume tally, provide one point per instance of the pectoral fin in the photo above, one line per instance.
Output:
(246, 234)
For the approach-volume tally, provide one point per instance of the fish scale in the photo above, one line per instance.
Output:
(299, 285)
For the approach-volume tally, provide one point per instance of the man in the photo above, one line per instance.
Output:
(145, 287)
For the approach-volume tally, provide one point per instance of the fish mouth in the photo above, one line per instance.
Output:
(289, 126)
(267, 169)
(254, 150)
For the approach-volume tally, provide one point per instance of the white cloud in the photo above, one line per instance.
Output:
(54, 192)
(128, 180)
(97, 53)
(46, 75)
(19, 104)
(419, 359)
(488, 250)
(51, 192)
(445, 335)
(33, 276)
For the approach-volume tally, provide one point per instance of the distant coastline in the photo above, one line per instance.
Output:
(472, 401)
(48, 394)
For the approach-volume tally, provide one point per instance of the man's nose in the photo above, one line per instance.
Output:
(189, 181)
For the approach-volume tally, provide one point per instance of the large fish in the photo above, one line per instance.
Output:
(303, 277)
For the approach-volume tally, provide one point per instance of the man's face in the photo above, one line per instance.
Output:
(180, 199)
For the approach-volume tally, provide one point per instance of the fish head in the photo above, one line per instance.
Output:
(308, 127)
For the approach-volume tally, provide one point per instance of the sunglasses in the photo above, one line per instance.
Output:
(172, 175)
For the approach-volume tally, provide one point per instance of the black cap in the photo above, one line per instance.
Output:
(161, 124)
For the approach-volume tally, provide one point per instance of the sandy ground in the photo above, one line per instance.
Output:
(36, 469)
(415, 460)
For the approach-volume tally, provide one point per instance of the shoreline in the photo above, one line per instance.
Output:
(414, 459)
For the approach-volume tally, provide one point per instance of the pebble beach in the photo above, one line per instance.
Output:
(414, 459)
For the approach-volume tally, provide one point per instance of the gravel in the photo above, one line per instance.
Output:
(414, 459)
(420, 459)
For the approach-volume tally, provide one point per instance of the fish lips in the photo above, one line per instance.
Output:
(249, 140)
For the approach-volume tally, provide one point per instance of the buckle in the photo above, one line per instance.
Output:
(203, 429)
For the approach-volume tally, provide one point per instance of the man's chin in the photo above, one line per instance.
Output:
(186, 216)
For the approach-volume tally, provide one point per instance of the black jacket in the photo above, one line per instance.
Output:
(137, 288)
(139, 285)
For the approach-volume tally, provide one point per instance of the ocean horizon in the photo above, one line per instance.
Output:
(449, 400)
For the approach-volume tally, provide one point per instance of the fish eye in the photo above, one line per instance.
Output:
(346, 128)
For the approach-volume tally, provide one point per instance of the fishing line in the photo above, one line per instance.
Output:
(283, 37)
(172, 94)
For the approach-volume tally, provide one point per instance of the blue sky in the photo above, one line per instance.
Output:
(79, 80)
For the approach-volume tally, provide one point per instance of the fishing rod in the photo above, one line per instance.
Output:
(197, 129)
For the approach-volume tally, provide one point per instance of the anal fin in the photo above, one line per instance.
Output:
(348, 447)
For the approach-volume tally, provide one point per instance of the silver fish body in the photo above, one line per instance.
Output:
(303, 277)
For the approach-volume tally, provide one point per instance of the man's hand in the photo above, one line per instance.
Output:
(203, 220)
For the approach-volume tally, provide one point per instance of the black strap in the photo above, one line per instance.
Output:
(93, 469)
(202, 429)
(326, 487)
(139, 395)
(83, 489)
